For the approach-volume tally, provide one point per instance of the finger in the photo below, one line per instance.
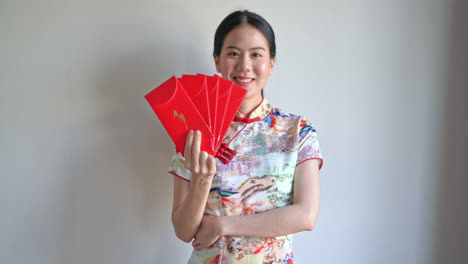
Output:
(203, 165)
(196, 151)
(199, 247)
(188, 150)
(211, 163)
(196, 245)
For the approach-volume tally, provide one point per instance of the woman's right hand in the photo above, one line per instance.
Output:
(199, 163)
(190, 197)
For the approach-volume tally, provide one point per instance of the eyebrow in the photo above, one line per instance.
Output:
(234, 47)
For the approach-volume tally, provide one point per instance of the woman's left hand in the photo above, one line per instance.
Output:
(208, 233)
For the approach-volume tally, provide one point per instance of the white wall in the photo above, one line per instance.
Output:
(84, 159)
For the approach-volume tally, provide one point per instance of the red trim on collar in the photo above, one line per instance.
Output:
(241, 117)
(246, 119)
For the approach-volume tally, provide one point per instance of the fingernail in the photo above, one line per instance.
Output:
(190, 132)
(198, 133)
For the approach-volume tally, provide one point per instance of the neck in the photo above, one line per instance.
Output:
(249, 104)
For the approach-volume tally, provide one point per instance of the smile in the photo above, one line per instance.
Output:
(243, 80)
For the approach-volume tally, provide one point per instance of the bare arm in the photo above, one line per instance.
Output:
(189, 198)
(299, 216)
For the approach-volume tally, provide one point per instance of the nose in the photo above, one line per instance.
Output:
(244, 64)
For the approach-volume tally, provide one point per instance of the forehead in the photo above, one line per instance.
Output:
(245, 37)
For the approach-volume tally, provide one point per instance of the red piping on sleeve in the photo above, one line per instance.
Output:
(178, 176)
(321, 162)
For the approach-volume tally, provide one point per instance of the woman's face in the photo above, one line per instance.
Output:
(245, 60)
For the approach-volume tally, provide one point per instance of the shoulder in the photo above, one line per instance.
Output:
(291, 119)
(277, 112)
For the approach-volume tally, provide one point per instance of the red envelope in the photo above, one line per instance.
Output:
(197, 102)
(178, 115)
(212, 89)
(224, 93)
(195, 86)
(236, 97)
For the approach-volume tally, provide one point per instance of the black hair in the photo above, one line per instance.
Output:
(238, 18)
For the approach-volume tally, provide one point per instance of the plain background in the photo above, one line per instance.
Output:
(83, 159)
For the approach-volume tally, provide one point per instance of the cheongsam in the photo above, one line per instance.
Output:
(268, 144)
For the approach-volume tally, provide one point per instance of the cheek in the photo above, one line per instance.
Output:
(227, 68)
(227, 64)
(262, 68)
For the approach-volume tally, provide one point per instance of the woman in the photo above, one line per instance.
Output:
(246, 210)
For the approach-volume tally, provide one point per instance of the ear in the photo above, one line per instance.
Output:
(216, 59)
(272, 63)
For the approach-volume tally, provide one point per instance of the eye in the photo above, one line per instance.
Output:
(233, 53)
(257, 55)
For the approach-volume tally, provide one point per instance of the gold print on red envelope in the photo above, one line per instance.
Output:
(181, 118)
(197, 102)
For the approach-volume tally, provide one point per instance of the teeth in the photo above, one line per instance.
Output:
(244, 80)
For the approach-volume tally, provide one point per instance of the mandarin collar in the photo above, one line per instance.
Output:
(257, 114)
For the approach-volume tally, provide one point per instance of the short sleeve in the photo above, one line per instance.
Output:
(309, 147)
(177, 167)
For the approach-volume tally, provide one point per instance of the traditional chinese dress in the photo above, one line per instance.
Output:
(256, 174)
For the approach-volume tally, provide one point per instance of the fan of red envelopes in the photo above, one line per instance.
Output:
(197, 102)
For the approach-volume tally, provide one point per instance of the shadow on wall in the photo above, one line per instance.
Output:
(121, 152)
(451, 244)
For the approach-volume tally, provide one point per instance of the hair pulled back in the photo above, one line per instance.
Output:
(244, 17)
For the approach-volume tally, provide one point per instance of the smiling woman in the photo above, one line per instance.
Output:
(246, 210)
